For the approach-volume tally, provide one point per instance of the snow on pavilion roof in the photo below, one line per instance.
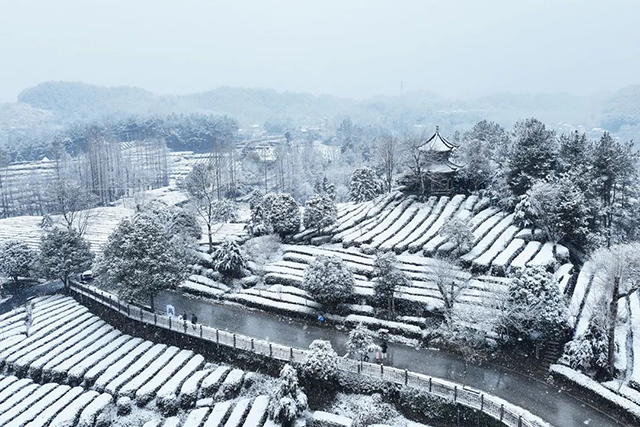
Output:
(437, 143)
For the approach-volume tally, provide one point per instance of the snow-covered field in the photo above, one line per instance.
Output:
(401, 224)
(85, 366)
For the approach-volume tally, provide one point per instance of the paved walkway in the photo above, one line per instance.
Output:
(547, 402)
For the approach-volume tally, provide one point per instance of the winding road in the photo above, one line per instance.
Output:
(549, 403)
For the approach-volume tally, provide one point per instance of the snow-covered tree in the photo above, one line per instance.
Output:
(534, 155)
(224, 210)
(359, 342)
(175, 220)
(228, 259)
(321, 361)
(325, 188)
(617, 273)
(449, 285)
(557, 207)
(64, 253)
(535, 308)
(458, 232)
(139, 260)
(328, 281)
(319, 212)
(364, 185)
(282, 213)
(200, 186)
(16, 259)
(257, 225)
(256, 197)
(588, 352)
(388, 278)
(287, 401)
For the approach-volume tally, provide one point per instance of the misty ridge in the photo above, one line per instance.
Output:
(53, 105)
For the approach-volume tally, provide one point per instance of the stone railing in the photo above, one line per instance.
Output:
(499, 409)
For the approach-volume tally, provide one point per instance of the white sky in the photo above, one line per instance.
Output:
(353, 48)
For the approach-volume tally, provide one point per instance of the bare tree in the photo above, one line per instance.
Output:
(387, 148)
(200, 186)
(450, 283)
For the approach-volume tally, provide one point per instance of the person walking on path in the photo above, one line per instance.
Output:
(194, 320)
(384, 346)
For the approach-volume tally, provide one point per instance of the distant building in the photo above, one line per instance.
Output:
(432, 172)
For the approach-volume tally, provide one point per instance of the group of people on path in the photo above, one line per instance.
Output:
(194, 319)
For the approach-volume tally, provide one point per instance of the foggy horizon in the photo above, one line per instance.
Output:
(355, 50)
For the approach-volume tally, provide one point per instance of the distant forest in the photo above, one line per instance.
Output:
(71, 112)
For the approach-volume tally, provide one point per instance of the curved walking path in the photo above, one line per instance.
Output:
(549, 403)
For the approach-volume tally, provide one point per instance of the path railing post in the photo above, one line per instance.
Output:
(291, 354)
(406, 377)
(270, 351)
(234, 340)
(501, 411)
(200, 331)
(252, 346)
(217, 338)
(481, 402)
(455, 393)
(429, 384)
(520, 421)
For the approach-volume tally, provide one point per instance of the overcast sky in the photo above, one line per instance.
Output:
(345, 47)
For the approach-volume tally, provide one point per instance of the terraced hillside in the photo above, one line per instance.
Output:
(404, 225)
(63, 366)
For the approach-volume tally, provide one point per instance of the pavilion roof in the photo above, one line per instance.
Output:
(437, 143)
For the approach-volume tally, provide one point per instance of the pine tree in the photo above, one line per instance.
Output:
(533, 156)
(364, 185)
(288, 401)
(228, 259)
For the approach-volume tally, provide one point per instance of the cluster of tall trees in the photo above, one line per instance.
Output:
(569, 186)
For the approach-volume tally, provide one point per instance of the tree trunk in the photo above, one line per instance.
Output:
(210, 237)
(153, 303)
(613, 314)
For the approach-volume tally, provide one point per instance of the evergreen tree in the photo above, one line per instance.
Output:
(557, 207)
(533, 156)
(228, 259)
(282, 213)
(16, 259)
(287, 401)
(535, 307)
(328, 281)
(388, 278)
(359, 342)
(320, 362)
(319, 212)
(64, 253)
(588, 352)
(364, 185)
(458, 233)
(616, 175)
(140, 260)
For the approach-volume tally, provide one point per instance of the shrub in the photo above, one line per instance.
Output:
(328, 281)
(228, 259)
(123, 405)
(321, 361)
